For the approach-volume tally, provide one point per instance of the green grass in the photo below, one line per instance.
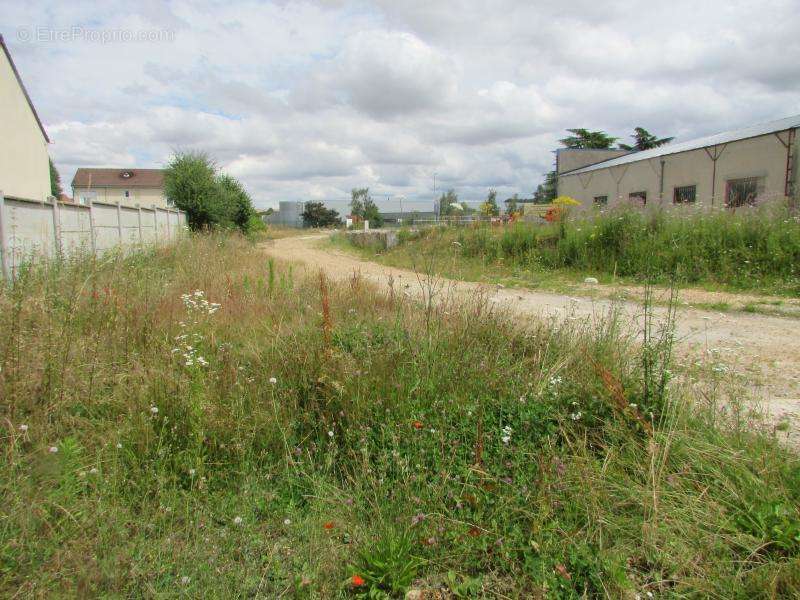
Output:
(756, 250)
(337, 432)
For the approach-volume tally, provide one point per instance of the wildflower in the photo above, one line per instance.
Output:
(185, 580)
(506, 434)
(154, 410)
(633, 405)
(192, 472)
(23, 428)
(202, 361)
(329, 525)
(417, 424)
(119, 446)
(287, 522)
(237, 520)
(273, 380)
(93, 471)
(357, 581)
(330, 433)
(576, 416)
(417, 519)
(52, 449)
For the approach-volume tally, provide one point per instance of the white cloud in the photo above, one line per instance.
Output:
(304, 100)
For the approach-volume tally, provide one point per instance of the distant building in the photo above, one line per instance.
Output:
(729, 169)
(129, 187)
(24, 165)
(408, 216)
(289, 214)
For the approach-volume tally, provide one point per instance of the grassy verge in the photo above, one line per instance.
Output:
(757, 250)
(199, 421)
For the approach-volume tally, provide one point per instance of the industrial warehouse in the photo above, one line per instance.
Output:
(730, 169)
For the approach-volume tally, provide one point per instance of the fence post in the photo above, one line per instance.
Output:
(58, 248)
(119, 221)
(139, 210)
(155, 225)
(3, 247)
(169, 229)
(92, 236)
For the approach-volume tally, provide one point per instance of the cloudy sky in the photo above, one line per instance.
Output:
(305, 100)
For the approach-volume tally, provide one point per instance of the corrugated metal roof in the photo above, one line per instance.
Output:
(704, 142)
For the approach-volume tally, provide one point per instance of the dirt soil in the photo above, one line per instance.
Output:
(763, 350)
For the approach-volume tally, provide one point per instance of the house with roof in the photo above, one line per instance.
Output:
(730, 169)
(24, 166)
(129, 187)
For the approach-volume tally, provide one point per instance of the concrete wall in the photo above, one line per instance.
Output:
(24, 166)
(289, 214)
(31, 229)
(136, 196)
(763, 156)
(575, 158)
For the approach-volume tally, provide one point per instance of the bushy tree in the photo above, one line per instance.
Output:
(583, 138)
(316, 215)
(512, 204)
(208, 198)
(645, 140)
(449, 205)
(547, 191)
(358, 197)
(55, 180)
(489, 207)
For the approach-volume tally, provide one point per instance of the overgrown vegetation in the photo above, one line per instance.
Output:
(243, 431)
(755, 249)
(210, 199)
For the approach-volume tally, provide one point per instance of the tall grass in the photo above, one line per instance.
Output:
(283, 436)
(750, 249)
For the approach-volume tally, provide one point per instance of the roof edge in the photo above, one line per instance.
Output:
(22, 87)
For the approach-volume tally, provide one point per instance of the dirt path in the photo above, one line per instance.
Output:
(765, 350)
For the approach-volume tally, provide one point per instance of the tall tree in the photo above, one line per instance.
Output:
(371, 213)
(546, 192)
(448, 203)
(583, 138)
(489, 207)
(644, 140)
(512, 204)
(358, 199)
(55, 180)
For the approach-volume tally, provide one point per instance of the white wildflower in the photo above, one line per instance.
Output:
(273, 380)
(93, 471)
(287, 522)
(576, 416)
(185, 580)
(23, 428)
(52, 449)
(330, 433)
(237, 520)
(154, 410)
(119, 446)
(192, 472)
(506, 437)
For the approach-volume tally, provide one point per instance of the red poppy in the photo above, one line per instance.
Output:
(357, 581)
(329, 525)
(417, 424)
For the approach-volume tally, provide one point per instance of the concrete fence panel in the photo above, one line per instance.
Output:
(106, 226)
(31, 229)
(76, 228)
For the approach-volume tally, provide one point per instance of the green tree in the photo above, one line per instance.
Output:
(55, 180)
(449, 204)
(546, 192)
(512, 204)
(316, 215)
(358, 199)
(372, 214)
(236, 202)
(644, 140)
(209, 199)
(489, 207)
(583, 138)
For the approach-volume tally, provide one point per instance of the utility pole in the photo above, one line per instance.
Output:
(435, 199)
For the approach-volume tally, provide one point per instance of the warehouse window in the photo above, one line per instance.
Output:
(600, 200)
(638, 197)
(741, 192)
(685, 194)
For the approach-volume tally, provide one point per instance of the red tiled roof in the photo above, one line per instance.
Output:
(22, 86)
(118, 178)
